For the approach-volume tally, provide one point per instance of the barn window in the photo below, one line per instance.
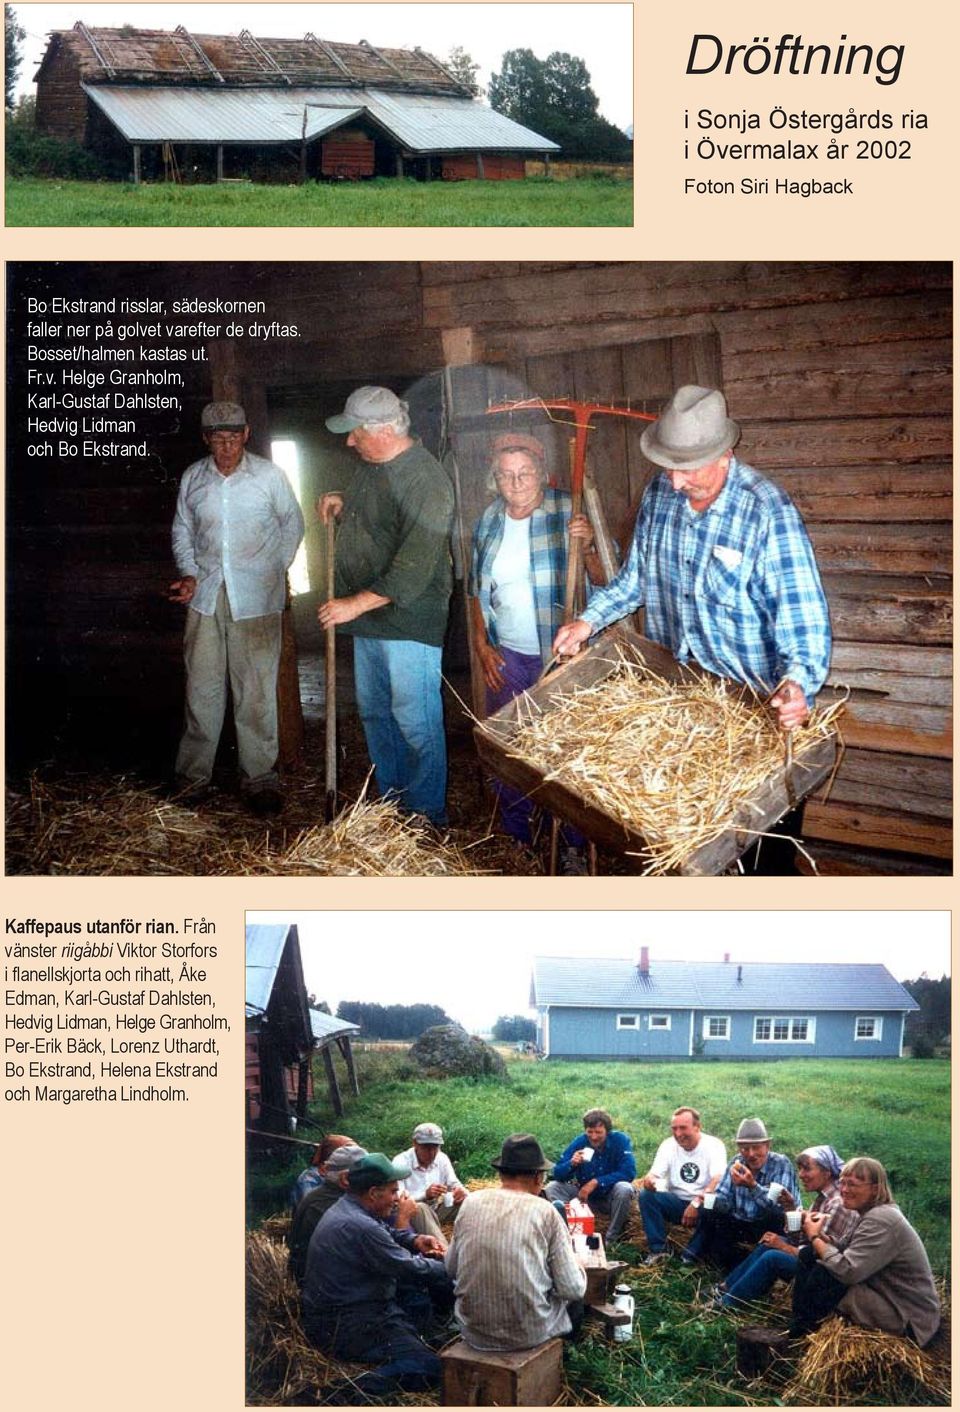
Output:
(286, 454)
(628, 1022)
(716, 1026)
(659, 1022)
(868, 1027)
(784, 1029)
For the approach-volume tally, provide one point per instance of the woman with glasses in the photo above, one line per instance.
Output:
(775, 1256)
(881, 1279)
(517, 579)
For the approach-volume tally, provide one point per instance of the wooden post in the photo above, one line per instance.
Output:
(219, 162)
(136, 164)
(332, 1084)
(758, 1347)
(302, 1077)
(606, 550)
(479, 167)
(346, 1049)
(398, 160)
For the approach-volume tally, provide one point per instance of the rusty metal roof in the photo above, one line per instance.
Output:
(419, 122)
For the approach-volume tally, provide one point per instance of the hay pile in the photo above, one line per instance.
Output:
(672, 761)
(842, 1363)
(101, 824)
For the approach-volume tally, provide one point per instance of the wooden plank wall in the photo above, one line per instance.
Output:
(840, 375)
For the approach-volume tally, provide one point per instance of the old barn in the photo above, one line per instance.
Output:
(839, 373)
(608, 1008)
(214, 107)
(283, 1032)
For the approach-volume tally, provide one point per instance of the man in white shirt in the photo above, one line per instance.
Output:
(687, 1164)
(431, 1171)
(512, 1262)
(236, 529)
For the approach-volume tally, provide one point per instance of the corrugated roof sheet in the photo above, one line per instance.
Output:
(264, 949)
(330, 1026)
(773, 985)
(419, 122)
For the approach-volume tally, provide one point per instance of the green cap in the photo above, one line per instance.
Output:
(375, 1169)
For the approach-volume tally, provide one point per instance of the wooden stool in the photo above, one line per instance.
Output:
(527, 1377)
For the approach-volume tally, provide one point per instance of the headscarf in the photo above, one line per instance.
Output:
(826, 1157)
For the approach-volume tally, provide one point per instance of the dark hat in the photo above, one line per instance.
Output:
(223, 416)
(692, 430)
(521, 1152)
(375, 1169)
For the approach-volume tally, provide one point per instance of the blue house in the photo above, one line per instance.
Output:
(619, 1009)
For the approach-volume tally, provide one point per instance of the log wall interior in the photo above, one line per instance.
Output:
(840, 375)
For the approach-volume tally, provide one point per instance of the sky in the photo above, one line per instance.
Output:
(477, 965)
(599, 34)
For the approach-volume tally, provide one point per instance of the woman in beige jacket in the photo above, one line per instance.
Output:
(881, 1279)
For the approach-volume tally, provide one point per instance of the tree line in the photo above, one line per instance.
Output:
(389, 1021)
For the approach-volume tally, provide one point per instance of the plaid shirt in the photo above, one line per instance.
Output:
(734, 587)
(548, 563)
(752, 1203)
(840, 1222)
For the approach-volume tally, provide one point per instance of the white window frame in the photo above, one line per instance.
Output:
(716, 1038)
(628, 1021)
(876, 1036)
(665, 1019)
(791, 1020)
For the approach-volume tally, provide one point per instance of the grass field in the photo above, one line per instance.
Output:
(602, 199)
(680, 1355)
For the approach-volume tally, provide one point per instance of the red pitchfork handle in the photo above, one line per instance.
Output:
(583, 413)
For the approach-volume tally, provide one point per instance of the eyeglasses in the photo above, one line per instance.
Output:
(856, 1181)
(224, 435)
(517, 477)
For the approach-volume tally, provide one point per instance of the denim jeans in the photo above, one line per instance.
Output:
(380, 1334)
(398, 697)
(754, 1276)
(656, 1209)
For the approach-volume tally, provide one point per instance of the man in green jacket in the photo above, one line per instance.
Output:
(393, 585)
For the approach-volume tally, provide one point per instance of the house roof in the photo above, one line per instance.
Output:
(762, 985)
(327, 1027)
(126, 54)
(419, 122)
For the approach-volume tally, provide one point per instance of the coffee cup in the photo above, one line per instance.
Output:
(586, 1154)
(774, 1190)
(661, 1183)
(794, 1221)
(709, 1199)
(448, 1199)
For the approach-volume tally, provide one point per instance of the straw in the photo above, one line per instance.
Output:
(672, 761)
(841, 1362)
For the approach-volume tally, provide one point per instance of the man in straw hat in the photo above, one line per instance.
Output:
(236, 529)
(515, 1272)
(369, 1289)
(393, 585)
(721, 562)
(747, 1200)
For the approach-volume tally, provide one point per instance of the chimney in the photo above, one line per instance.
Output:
(644, 966)
(726, 957)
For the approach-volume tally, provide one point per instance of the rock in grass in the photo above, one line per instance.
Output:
(447, 1051)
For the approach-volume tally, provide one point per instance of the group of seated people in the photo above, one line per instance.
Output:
(379, 1279)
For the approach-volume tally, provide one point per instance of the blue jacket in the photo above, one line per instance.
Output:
(613, 1162)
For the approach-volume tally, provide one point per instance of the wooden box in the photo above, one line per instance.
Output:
(770, 802)
(528, 1377)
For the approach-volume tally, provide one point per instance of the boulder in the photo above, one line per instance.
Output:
(447, 1051)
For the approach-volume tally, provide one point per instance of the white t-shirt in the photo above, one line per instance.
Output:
(687, 1173)
(440, 1170)
(511, 590)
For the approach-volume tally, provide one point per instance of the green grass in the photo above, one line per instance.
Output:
(588, 201)
(898, 1111)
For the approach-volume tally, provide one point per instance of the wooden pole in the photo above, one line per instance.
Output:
(346, 1049)
(606, 550)
(332, 1084)
(136, 164)
(573, 545)
(331, 683)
